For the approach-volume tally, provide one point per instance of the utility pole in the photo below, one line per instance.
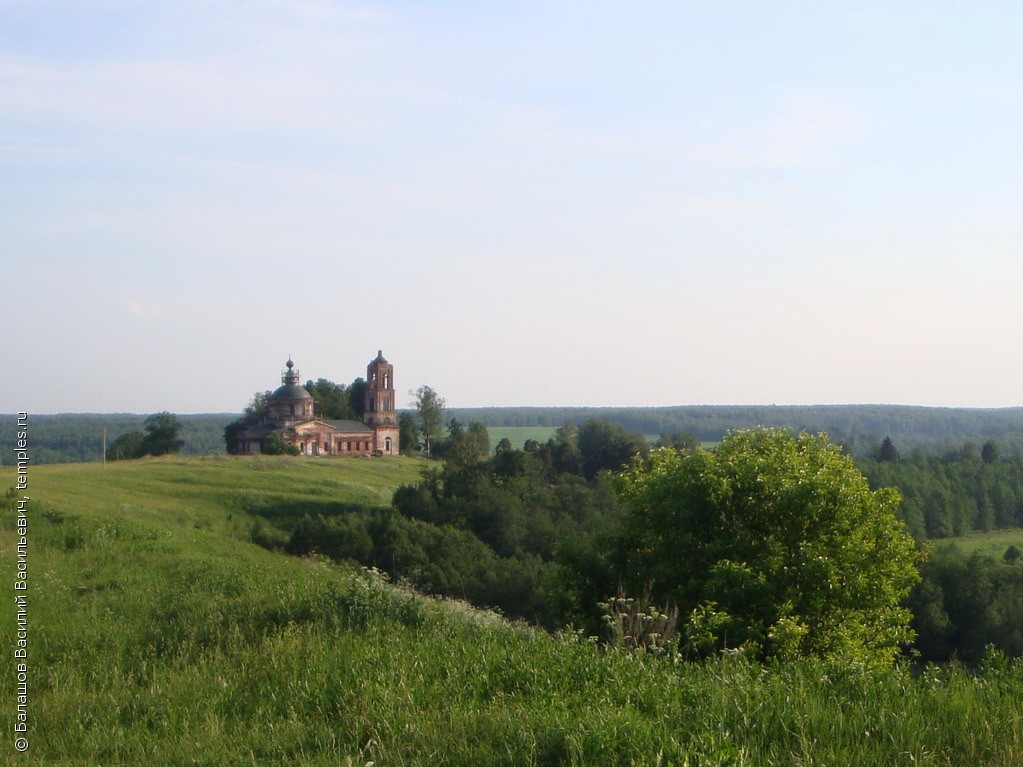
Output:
(104, 445)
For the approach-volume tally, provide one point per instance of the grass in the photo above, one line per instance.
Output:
(991, 544)
(518, 435)
(159, 636)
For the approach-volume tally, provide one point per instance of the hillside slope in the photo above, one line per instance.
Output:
(159, 635)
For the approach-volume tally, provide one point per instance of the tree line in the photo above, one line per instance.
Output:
(965, 489)
(78, 437)
(692, 549)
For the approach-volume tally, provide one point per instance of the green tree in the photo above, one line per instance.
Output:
(126, 447)
(274, 444)
(606, 446)
(408, 435)
(888, 453)
(255, 412)
(357, 397)
(162, 430)
(467, 445)
(990, 452)
(430, 411)
(680, 440)
(770, 542)
(332, 399)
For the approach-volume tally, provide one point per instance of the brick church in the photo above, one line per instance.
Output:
(291, 413)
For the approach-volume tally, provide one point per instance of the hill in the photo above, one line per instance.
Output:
(158, 634)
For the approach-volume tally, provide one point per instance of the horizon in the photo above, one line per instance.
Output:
(540, 203)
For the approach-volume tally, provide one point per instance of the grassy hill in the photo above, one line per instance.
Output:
(159, 635)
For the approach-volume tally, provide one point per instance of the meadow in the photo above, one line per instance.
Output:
(989, 544)
(159, 635)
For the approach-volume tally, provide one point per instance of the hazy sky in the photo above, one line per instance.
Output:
(549, 203)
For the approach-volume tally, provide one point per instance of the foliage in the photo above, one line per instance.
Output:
(465, 445)
(333, 400)
(776, 539)
(127, 446)
(635, 624)
(408, 435)
(162, 430)
(78, 437)
(955, 494)
(255, 412)
(430, 412)
(966, 604)
(858, 428)
(888, 452)
(274, 444)
(160, 437)
(604, 446)
(211, 651)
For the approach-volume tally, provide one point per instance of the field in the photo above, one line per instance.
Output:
(991, 544)
(159, 635)
(518, 435)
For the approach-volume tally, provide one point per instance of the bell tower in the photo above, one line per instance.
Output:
(381, 408)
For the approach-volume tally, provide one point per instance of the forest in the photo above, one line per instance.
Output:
(538, 534)
(526, 531)
(859, 428)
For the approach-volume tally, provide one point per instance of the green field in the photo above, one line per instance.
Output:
(159, 635)
(518, 435)
(992, 544)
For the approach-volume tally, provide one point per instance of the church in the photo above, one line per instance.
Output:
(291, 413)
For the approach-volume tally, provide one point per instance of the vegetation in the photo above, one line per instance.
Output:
(429, 408)
(770, 543)
(159, 438)
(74, 437)
(858, 428)
(954, 494)
(161, 636)
(967, 603)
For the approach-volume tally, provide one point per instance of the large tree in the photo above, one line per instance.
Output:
(162, 430)
(430, 415)
(770, 542)
(333, 400)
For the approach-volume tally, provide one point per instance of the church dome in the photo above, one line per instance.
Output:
(290, 392)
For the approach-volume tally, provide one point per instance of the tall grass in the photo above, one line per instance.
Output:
(158, 641)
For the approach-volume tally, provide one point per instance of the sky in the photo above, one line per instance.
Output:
(534, 203)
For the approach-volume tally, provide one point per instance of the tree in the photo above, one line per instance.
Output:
(255, 412)
(357, 397)
(770, 542)
(990, 452)
(430, 410)
(408, 436)
(274, 444)
(888, 453)
(332, 399)
(680, 440)
(606, 446)
(126, 447)
(466, 445)
(161, 437)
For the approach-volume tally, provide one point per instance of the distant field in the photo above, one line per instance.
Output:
(992, 544)
(518, 435)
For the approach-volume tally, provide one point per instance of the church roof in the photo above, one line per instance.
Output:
(290, 392)
(348, 426)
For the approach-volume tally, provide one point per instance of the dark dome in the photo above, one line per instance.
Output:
(290, 392)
